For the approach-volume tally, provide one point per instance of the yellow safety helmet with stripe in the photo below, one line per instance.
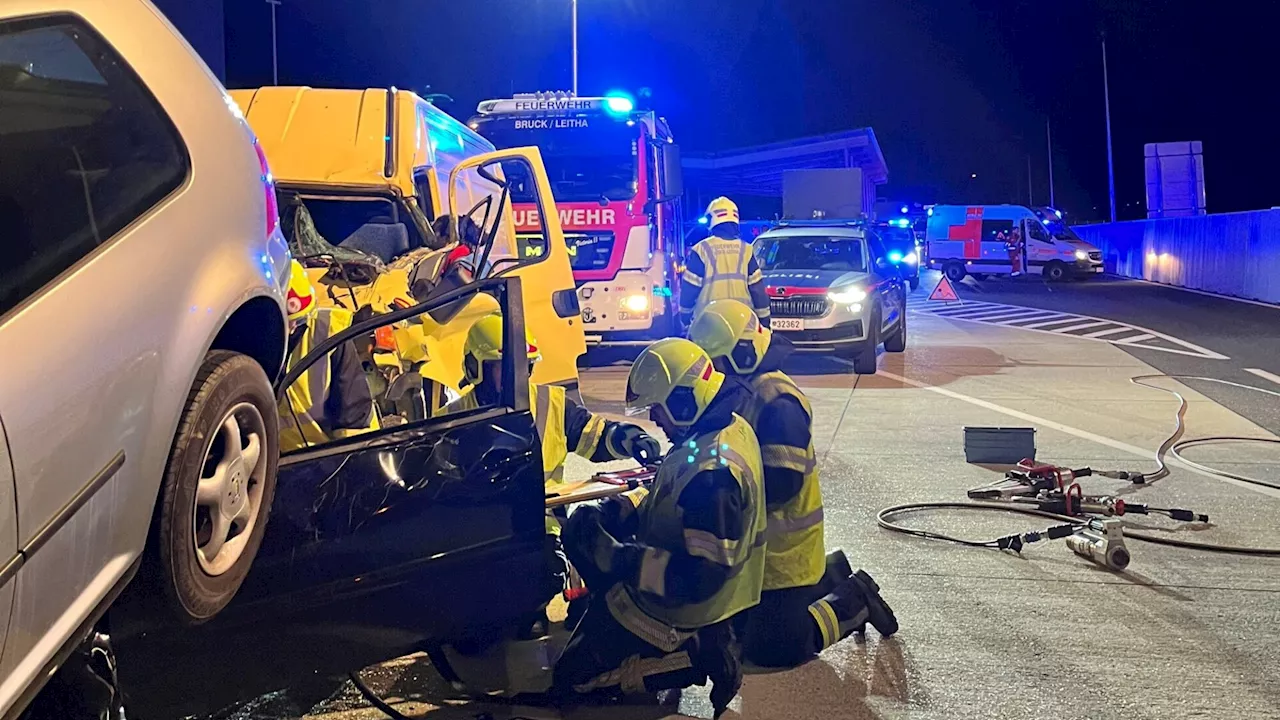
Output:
(484, 344)
(730, 329)
(675, 375)
(300, 301)
(721, 210)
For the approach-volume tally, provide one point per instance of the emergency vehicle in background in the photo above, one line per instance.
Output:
(969, 240)
(615, 174)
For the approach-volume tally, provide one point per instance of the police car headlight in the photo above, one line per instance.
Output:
(911, 259)
(637, 303)
(847, 295)
(1082, 255)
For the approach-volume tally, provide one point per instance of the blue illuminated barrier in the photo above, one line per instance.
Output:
(1235, 254)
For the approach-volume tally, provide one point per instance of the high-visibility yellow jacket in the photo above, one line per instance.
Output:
(795, 555)
(331, 400)
(722, 269)
(672, 527)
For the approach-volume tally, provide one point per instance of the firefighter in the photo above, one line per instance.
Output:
(563, 425)
(668, 568)
(331, 400)
(722, 266)
(808, 603)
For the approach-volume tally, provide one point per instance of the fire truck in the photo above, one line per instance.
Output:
(615, 175)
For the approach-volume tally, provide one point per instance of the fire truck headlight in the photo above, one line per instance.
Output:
(637, 303)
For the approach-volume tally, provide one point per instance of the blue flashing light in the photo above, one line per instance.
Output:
(1058, 213)
(905, 209)
(902, 222)
(930, 213)
(895, 256)
(619, 104)
(703, 220)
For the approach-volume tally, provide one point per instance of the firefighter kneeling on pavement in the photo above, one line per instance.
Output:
(669, 567)
(331, 400)
(562, 423)
(809, 601)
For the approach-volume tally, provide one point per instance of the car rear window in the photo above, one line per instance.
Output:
(85, 150)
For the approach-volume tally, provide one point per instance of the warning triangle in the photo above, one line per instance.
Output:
(944, 292)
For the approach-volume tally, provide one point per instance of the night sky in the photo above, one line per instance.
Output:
(951, 87)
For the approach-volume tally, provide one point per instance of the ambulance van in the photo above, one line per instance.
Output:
(975, 240)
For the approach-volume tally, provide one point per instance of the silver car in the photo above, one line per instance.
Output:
(141, 320)
(832, 288)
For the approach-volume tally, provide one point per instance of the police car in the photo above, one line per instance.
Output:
(832, 288)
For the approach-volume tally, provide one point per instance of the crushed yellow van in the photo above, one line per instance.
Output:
(362, 175)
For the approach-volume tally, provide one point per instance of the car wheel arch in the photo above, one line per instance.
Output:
(256, 328)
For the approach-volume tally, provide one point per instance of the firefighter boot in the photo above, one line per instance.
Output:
(719, 655)
(838, 566)
(856, 602)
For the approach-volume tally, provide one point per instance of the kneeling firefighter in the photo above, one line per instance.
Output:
(563, 424)
(669, 567)
(331, 400)
(808, 603)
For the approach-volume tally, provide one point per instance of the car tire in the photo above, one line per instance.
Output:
(863, 354)
(230, 401)
(896, 341)
(954, 271)
(1055, 271)
(914, 282)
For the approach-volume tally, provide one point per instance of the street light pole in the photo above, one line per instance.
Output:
(1048, 133)
(575, 46)
(1031, 200)
(275, 68)
(1111, 168)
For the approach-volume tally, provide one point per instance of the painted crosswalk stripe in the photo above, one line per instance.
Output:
(1264, 375)
(1070, 324)
(1081, 326)
(1109, 331)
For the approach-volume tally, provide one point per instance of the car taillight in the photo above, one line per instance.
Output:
(268, 190)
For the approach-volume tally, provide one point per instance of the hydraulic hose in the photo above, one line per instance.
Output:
(1172, 445)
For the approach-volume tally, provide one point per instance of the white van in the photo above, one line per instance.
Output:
(969, 240)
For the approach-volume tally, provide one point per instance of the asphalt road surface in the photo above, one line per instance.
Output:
(1247, 334)
(991, 634)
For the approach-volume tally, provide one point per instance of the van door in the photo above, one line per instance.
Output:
(482, 187)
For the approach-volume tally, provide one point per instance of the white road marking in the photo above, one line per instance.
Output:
(1112, 331)
(1082, 326)
(1013, 316)
(1069, 430)
(1264, 375)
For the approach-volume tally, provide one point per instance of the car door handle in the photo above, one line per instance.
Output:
(565, 303)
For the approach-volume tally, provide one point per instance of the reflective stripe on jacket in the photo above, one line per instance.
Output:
(660, 525)
(795, 555)
(727, 275)
(303, 421)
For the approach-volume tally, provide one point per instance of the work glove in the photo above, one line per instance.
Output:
(632, 441)
(599, 559)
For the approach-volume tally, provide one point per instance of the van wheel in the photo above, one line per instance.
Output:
(1055, 271)
(218, 486)
(954, 271)
(863, 354)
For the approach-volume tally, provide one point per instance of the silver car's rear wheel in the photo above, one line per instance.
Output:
(228, 498)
